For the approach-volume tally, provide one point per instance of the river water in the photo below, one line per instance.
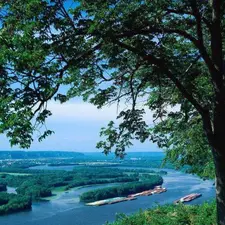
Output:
(67, 210)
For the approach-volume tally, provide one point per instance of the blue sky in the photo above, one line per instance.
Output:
(77, 125)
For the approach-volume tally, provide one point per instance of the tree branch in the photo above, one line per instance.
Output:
(163, 67)
(198, 43)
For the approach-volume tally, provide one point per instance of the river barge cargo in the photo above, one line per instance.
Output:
(188, 198)
(156, 190)
(110, 201)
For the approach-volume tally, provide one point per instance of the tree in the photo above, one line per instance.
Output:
(158, 54)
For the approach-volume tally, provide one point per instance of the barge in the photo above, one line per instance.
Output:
(188, 198)
(156, 190)
(110, 201)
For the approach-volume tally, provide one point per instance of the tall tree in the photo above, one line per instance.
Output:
(167, 55)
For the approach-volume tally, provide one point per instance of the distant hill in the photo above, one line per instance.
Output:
(38, 154)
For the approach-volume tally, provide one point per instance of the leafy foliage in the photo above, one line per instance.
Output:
(173, 215)
(184, 143)
(153, 55)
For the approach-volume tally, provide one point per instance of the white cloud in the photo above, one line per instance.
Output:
(82, 111)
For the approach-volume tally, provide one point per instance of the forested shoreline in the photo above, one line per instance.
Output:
(35, 185)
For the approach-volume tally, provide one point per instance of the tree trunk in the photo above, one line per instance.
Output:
(220, 188)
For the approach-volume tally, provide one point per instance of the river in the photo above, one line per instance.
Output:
(67, 210)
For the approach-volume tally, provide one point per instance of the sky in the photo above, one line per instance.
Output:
(76, 125)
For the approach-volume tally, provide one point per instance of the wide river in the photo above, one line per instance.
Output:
(67, 210)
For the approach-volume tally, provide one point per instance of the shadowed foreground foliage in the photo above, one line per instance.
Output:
(172, 215)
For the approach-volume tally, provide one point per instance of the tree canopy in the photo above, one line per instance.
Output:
(165, 55)
(150, 54)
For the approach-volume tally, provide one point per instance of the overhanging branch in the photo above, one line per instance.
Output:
(163, 67)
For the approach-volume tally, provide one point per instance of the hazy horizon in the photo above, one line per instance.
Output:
(47, 150)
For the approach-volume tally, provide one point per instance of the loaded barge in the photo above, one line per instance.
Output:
(110, 201)
(188, 198)
(156, 190)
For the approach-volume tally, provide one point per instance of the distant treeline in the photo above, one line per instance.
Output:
(161, 172)
(21, 170)
(122, 190)
(38, 154)
(63, 164)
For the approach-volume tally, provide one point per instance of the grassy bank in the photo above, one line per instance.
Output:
(204, 214)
